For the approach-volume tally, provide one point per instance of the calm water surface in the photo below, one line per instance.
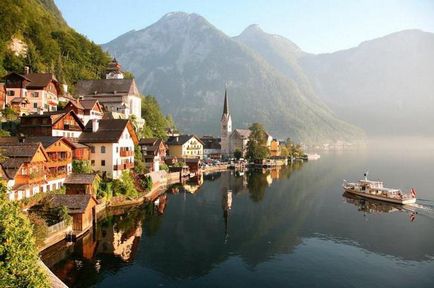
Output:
(287, 228)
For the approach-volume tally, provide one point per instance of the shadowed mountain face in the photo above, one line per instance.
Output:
(185, 62)
(384, 85)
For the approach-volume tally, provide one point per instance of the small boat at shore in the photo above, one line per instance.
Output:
(375, 190)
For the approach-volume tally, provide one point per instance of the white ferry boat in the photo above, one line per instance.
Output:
(376, 190)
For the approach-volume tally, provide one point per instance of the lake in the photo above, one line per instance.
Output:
(282, 228)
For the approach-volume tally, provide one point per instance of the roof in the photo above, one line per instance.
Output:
(88, 104)
(19, 100)
(104, 86)
(55, 117)
(39, 80)
(210, 142)
(181, 139)
(76, 204)
(109, 131)
(244, 133)
(16, 155)
(80, 178)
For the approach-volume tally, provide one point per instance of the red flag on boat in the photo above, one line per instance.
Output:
(413, 192)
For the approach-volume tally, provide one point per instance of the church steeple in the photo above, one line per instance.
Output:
(225, 127)
(226, 105)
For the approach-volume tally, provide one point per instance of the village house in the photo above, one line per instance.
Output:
(81, 207)
(111, 143)
(211, 147)
(114, 93)
(24, 168)
(40, 89)
(58, 123)
(80, 184)
(274, 148)
(185, 146)
(20, 105)
(86, 110)
(153, 152)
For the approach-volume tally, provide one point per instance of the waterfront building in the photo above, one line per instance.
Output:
(153, 152)
(274, 148)
(81, 207)
(57, 123)
(40, 89)
(225, 128)
(211, 147)
(185, 146)
(111, 143)
(80, 184)
(2, 96)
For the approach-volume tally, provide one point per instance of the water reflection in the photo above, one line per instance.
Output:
(232, 227)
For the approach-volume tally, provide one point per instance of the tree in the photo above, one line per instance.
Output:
(81, 167)
(284, 151)
(155, 121)
(257, 146)
(139, 164)
(18, 254)
(238, 154)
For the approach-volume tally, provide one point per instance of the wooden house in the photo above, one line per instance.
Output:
(59, 123)
(153, 152)
(82, 208)
(81, 184)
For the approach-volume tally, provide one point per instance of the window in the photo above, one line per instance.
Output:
(117, 149)
(92, 162)
(102, 162)
(102, 149)
(11, 93)
(35, 94)
(92, 149)
(35, 105)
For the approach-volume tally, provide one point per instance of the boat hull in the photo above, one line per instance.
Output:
(385, 199)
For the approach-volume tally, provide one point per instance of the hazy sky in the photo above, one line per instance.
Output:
(315, 26)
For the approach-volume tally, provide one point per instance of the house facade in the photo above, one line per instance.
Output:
(153, 152)
(211, 147)
(185, 146)
(40, 89)
(111, 143)
(24, 168)
(58, 123)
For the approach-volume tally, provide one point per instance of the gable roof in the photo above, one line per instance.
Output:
(17, 154)
(75, 178)
(106, 86)
(181, 139)
(88, 104)
(109, 131)
(76, 204)
(244, 133)
(55, 116)
(40, 80)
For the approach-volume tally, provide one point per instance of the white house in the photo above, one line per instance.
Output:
(112, 145)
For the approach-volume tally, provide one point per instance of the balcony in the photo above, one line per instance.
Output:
(126, 153)
(123, 166)
(59, 162)
(57, 175)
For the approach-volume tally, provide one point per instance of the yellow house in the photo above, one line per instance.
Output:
(185, 146)
(274, 148)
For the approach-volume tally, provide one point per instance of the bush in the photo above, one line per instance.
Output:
(39, 227)
(105, 190)
(81, 167)
(147, 183)
(18, 254)
(164, 167)
(125, 186)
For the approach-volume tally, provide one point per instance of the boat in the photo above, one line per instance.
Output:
(375, 190)
(314, 156)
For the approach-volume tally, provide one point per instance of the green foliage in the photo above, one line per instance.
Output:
(147, 183)
(238, 154)
(139, 164)
(179, 164)
(256, 147)
(81, 167)
(294, 150)
(125, 186)
(39, 227)
(52, 46)
(4, 133)
(61, 212)
(105, 190)
(164, 167)
(155, 121)
(18, 254)
(9, 114)
(10, 126)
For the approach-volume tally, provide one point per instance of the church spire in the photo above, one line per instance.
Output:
(226, 105)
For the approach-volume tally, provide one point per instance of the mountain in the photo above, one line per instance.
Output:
(186, 62)
(384, 85)
(33, 33)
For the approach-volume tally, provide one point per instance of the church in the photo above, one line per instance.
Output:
(237, 139)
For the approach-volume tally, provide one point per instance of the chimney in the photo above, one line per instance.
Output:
(95, 125)
(21, 138)
(26, 70)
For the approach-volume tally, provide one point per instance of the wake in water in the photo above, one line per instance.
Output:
(423, 207)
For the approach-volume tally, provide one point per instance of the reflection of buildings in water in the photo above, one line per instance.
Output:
(269, 179)
(160, 204)
(371, 206)
(194, 184)
(125, 247)
(275, 173)
(227, 206)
